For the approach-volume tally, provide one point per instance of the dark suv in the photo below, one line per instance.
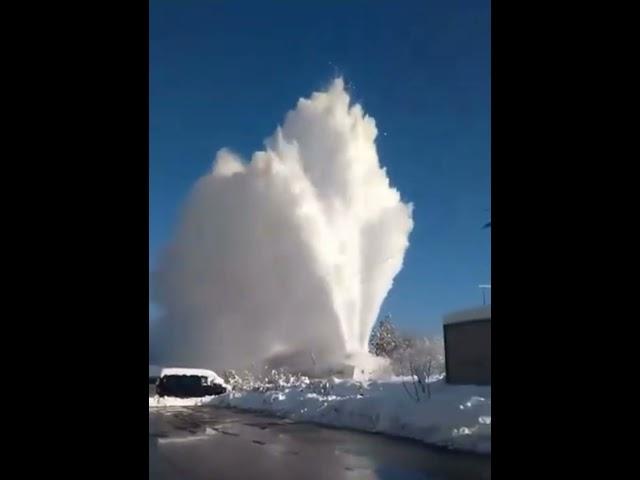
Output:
(187, 386)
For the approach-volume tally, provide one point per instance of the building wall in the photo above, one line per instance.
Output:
(468, 352)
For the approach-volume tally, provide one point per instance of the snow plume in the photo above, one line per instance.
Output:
(293, 250)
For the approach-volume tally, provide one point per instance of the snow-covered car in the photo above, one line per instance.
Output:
(189, 383)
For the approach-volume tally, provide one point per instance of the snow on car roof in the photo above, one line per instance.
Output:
(200, 372)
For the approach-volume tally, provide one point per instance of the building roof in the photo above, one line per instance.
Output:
(468, 315)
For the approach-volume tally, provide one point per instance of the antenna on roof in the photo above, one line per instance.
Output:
(488, 224)
(484, 288)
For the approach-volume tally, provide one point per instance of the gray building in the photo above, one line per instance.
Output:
(467, 346)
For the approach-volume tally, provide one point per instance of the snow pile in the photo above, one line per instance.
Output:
(455, 416)
(276, 379)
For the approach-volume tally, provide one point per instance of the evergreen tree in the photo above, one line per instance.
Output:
(384, 339)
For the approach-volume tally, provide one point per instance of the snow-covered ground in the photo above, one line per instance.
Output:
(455, 416)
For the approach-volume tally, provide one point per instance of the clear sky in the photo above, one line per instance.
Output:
(224, 73)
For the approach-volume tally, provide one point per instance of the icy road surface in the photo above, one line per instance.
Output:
(208, 442)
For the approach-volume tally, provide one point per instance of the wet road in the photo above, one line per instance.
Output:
(209, 443)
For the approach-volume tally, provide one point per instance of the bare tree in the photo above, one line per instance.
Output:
(421, 360)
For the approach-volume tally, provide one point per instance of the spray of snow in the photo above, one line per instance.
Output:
(295, 249)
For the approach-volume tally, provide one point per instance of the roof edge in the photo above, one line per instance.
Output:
(468, 315)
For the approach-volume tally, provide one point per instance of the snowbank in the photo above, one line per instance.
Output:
(458, 417)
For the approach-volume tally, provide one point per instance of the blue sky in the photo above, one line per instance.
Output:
(224, 73)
